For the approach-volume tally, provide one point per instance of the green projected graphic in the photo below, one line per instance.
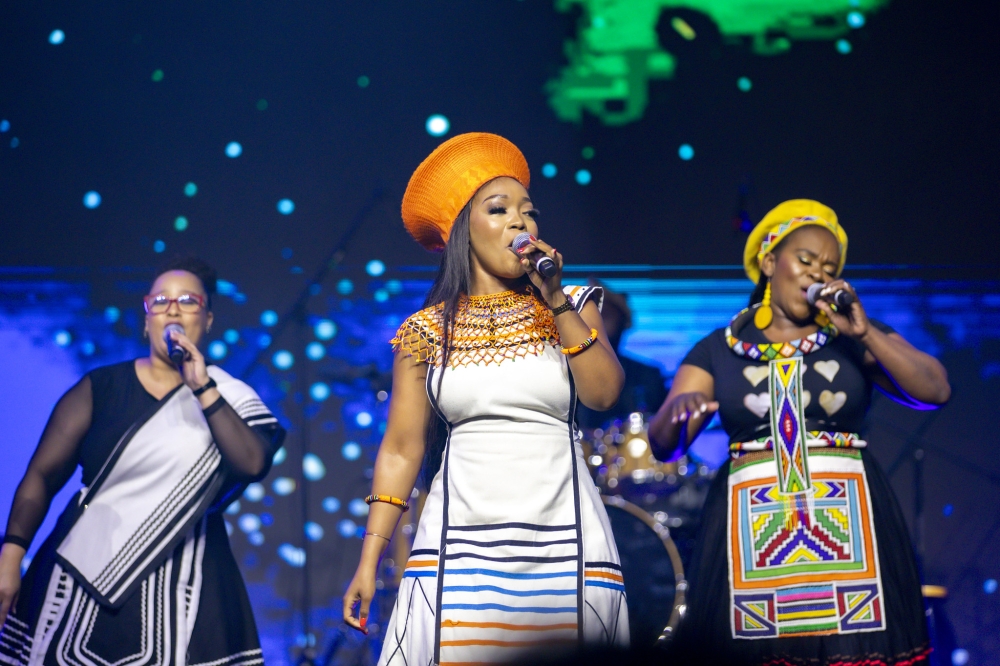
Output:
(617, 51)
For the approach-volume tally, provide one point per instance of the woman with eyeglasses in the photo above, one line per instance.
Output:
(138, 568)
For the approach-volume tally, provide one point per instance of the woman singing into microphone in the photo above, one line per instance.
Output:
(513, 552)
(138, 569)
(803, 557)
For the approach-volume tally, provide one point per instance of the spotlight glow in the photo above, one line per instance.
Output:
(217, 350)
(438, 125)
(254, 493)
(268, 318)
(256, 538)
(112, 314)
(312, 467)
(331, 505)
(325, 329)
(990, 585)
(549, 170)
(263, 340)
(855, 20)
(280, 456)
(234, 149)
(347, 528)
(4, 125)
(351, 451)
(283, 359)
(249, 522)
(181, 223)
(57, 37)
(283, 486)
(375, 268)
(685, 152)
(293, 556)
(363, 419)
(314, 531)
(190, 190)
(381, 295)
(157, 75)
(159, 246)
(744, 84)
(358, 508)
(364, 81)
(319, 391)
(286, 206)
(583, 177)
(315, 351)
(844, 47)
(92, 199)
(232, 336)
(87, 348)
(345, 287)
(587, 153)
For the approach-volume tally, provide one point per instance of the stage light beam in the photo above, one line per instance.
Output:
(57, 37)
(437, 125)
(234, 149)
(92, 199)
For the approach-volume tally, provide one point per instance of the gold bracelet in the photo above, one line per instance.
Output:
(389, 499)
(367, 533)
(572, 351)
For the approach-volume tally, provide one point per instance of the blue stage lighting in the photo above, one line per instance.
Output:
(256, 538)
(381, 295)
(234, 149)
(347, 528)
(325, 329)
(63, 338)
(438, 125)
(232, 336)
(549, 170)
(959, 657)
(855, 19)
(283, 359)
(181, 223)
(268, 317)
(217, 350)
(87, 348)
(314, 531)
(319, 391)
(990, 585)
(15, 142)
(363, 419)
(583, 177)
(92, 199)
(112, 314)
(357, 507)
(233, 508)
(350, 451)
(331, 504)
(685, 152)
(364, 81)
(283, 486)
(4, 125)
(254, 493)
(225, 287)
(394, 286)
(293, 556)
(57, 37)
(345, 287)
(263, 340)
(286, 206)
(315, 351)
(249, 522)
(280, 456)
(312, 467)
(190, 189)
(375, 268)
(843, 46)
(159, 246)
(744, 84)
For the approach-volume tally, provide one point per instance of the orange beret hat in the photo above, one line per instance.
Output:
(445, 182)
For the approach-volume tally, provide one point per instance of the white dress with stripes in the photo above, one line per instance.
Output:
(514, 552)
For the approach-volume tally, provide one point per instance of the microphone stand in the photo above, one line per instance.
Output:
(298, 314)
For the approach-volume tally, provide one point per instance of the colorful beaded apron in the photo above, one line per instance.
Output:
(803, 559)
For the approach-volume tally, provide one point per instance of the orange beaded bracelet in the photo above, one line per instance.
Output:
(572, 351)
(388, 499)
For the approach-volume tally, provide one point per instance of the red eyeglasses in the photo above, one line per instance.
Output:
(160, 303)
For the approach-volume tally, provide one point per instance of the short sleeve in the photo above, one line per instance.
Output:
(420, 335)
(700, 355)
(579, 295)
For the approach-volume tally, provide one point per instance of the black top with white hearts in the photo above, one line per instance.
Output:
(838, 388)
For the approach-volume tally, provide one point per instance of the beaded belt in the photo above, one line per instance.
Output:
(815, 439)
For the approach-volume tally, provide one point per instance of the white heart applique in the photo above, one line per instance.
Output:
(828, 369)
(755, 374)
(832, 402)
(806, 399)
(758, 404)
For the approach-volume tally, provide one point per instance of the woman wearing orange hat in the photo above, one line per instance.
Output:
(803, 556)
(514, 551)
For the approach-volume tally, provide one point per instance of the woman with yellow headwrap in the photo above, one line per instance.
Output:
(513, 552)
(803, 555)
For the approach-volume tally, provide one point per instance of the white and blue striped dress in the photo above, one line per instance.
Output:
(514, 552)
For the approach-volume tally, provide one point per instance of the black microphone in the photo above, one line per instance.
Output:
(841, 298)
(543, 264)
(174, 350)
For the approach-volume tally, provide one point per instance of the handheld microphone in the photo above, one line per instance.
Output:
(543, 264)
(841, 298)
(174, 350)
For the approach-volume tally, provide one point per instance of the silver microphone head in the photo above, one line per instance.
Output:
(521, 240)
(812, 293)
(170, 328)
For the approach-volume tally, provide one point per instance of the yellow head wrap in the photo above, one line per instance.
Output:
(782, 220)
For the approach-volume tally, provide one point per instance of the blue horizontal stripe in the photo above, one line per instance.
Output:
(515, 576)
(420, 574)
(512, 609)
(782, 608)
(610, 586)
(514, 593)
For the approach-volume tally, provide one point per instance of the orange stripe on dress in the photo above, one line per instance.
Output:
(492, 643)
(421, 563)
(511, 627)
(604, 574)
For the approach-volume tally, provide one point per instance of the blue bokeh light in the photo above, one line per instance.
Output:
(62, 338)
(286, 206)
(293, 556)
(375, 268)
(855, 20)
(249, 522)
(233, 508)
(685, 152)
(315, 351)
(350, 451)
(313, 468)
(358, 507)
(280, 456)
(57, 37)
(325, 329)
(217, 350)
(990, 585)
(181, 223)
(363, 419)
(549, 170)
(87, 348)
(319, 391)
(347, 528)
(254, 493)
(283, 486)
(268, 318)
(4, 125)
(112, 314)
(381, 295)
(744, 84)
(959, 657)
(232, 336)
(190, 189)
(256, 538)
(263, 340)
(394, 286)
(314, 531)
(948, 509)
(437, 125)
(583, 177)
(92, 199)
(331, 504)
(159, 246)
(844, 47)
(283, 359)
(234, 149)
(345, 287)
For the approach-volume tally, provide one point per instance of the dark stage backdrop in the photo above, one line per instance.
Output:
(254, 133)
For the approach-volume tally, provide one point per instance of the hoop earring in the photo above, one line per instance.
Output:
(762, 318)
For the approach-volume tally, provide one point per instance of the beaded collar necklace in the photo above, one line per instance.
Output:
(771, 350)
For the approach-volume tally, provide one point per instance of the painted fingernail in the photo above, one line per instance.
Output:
(364, 622)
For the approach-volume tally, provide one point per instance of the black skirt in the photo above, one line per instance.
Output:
(705, 636)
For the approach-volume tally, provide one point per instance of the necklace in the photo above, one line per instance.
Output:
(772, 350)
(487, 329)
